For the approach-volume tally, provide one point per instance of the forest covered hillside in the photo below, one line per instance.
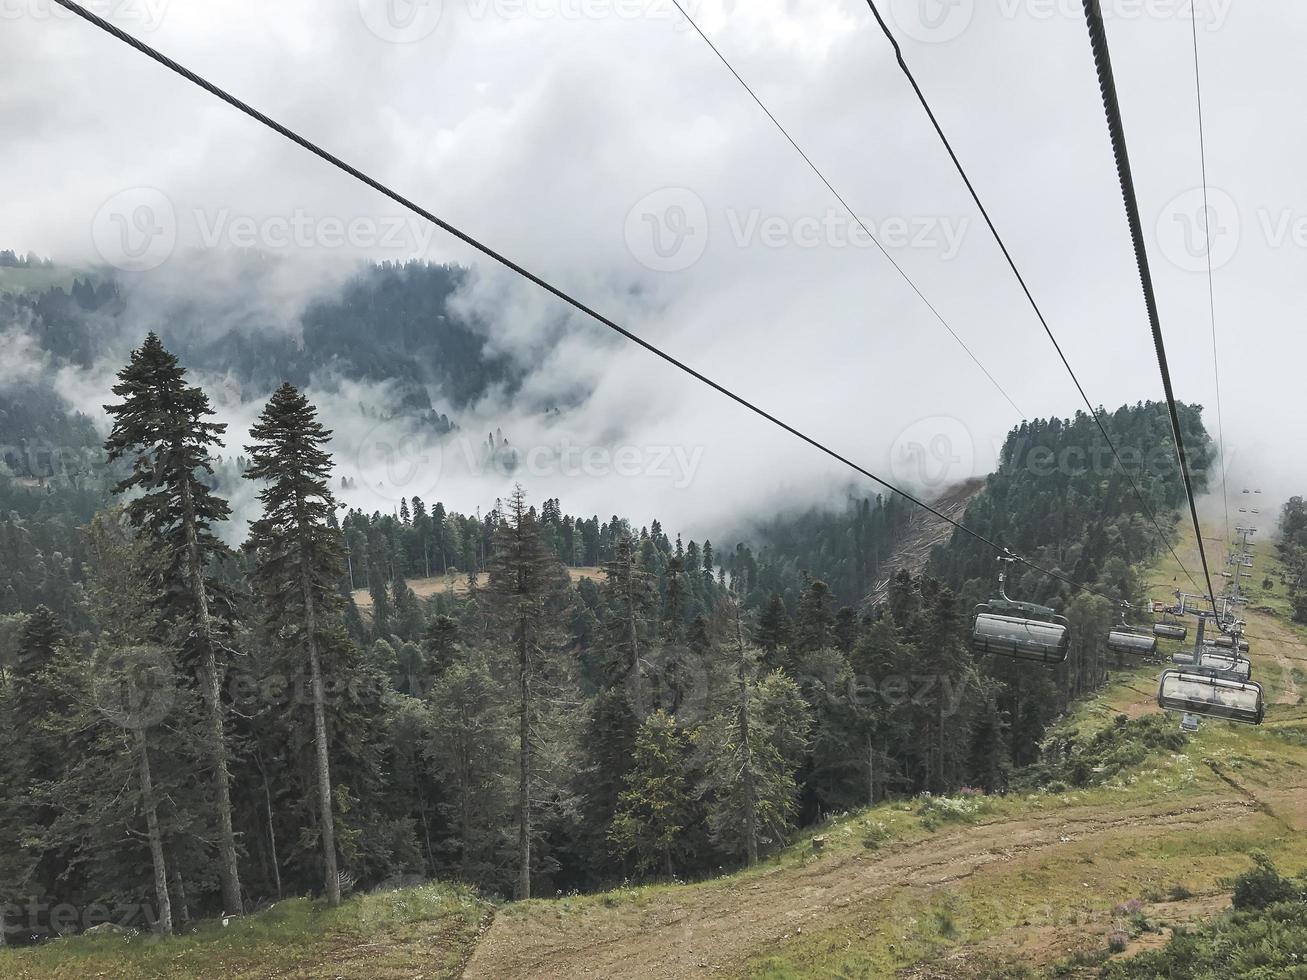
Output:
(244, 733)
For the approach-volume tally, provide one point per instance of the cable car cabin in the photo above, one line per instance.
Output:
(1032, 633)
(1227, 642)
(1128, 641)
(1211, 697)
(1170, 631)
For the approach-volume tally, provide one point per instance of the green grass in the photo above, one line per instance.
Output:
(427, 931)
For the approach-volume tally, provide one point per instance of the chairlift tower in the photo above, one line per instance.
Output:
(1244, 559)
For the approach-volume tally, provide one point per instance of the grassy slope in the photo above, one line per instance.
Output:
(416, 932)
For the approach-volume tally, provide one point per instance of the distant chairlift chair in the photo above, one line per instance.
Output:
(1127, 639)
(1020, 630)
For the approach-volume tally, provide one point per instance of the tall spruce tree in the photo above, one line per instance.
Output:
(298, 563)
(522, 573)
(162, 425)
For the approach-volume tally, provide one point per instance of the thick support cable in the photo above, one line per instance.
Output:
(1163, 537)
(1116, 129)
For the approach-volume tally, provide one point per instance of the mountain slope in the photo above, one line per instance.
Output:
(1028, 882)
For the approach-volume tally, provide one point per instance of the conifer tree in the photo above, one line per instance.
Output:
(162, 426)
(655, 809)
(298, 563)
(812, 627)
(631, 592)
(471, 744)
(522, 574)
(753, 749)
(774, 630)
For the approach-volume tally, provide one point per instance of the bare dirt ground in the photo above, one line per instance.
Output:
(424, 588)
(700, 930)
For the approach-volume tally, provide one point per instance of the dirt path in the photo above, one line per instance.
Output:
(716, 927)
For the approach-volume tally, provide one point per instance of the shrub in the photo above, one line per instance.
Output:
(937, 810)
(1084, 762)
(1263, 885)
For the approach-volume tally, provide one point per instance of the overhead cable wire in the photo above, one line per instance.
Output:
(845, 204)
(1211, 289)
(1116, 130)
(1162, 536)
(547, 286)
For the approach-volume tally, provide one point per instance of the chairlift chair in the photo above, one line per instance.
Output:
(1216, 662)
(1127, 639)
(1208, 696)
(1227, 641)
(1169, 629)
(1020, 630)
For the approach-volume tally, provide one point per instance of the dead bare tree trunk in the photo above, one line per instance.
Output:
(524, 766)
(163, 922)
(228, 869)
(327, 820)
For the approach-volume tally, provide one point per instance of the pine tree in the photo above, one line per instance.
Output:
(161, 425)
(522, 574)
(631, 592)
(754, 747)
(298, 563)
(655, 809)
(38, 642)
(774, 630)
(443, 644)
(812, 627)
(471, 744)
(143, 675)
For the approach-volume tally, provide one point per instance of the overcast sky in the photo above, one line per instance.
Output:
(601, 144)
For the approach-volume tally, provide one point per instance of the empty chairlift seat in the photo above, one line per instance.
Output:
(1228, 665)
(1170, 631)
(1211, 697)
(1122, 640)
(1226, 641)
(1218, 663)
(1034, 634)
